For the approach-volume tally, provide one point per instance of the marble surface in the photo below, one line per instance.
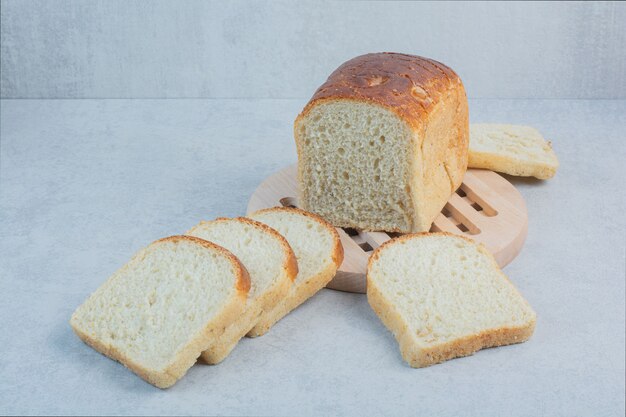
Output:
(86, 183)
(286, 48)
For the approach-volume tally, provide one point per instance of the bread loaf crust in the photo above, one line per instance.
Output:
(429, 99)
(410, 86)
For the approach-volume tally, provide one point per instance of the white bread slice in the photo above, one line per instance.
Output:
(272, 266)
(443, 296)
(319, 251)
(511, 149)
(158, 312)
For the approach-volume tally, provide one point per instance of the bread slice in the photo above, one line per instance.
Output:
(443, 296)
(161, 310)
(511, 149)
(272, 266)
(318, 249)
(383, 143)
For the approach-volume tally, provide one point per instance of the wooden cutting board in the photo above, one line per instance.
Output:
(486, 208)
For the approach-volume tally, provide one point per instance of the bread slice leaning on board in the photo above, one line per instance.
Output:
(272, 266)
(383, 143)
(319, 251)
(443, 296)
(511, 149)
(163, 308)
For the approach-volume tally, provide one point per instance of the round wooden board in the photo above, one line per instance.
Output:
(486, 208)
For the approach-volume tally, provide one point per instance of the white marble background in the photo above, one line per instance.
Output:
(85, 183)
(285, 49)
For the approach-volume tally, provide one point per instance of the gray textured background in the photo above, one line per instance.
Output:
(261, 49)
(86, 183)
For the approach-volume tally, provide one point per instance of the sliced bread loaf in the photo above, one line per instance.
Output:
(511, 149)
(318, 249)
(382, 144)
(272, 266)
(161, 310)
(443, 296)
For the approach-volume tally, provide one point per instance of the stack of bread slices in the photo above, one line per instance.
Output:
(197, 294)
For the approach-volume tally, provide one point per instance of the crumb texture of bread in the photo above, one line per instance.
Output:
(383, 143)
(160, 311)
(511, 149)
(318, 249)
(272, 266)
(443, 296)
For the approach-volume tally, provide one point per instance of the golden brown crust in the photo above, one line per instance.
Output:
(243, 278)
(338, 247)
(409, 85)
(430, 99)
(419, 357)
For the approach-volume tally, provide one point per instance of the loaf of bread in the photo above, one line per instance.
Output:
(443, 296)
(272, 266)
(164, 307)
(383, 143)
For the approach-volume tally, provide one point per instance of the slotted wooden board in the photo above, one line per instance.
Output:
(486, 208)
